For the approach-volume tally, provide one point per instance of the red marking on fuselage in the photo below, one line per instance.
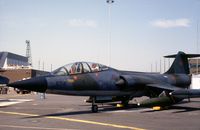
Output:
(75, 77)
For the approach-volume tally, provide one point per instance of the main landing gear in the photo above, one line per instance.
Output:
(124, 103)
(94, 106)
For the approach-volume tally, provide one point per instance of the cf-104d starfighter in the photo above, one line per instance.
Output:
(104, 84)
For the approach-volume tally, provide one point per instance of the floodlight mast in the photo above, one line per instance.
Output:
(28, 52)
(109, 28)
(197, 66)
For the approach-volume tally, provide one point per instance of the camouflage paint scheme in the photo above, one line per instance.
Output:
(105, 84)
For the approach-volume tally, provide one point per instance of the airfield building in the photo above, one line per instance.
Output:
(193, 63)
(10, 60)
(16, 67)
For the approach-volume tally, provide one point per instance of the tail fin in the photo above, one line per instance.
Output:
(180, 64)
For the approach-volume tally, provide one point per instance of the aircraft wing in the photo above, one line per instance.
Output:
(177, 92)
(176, 95)
(186, 93)
(163, 86)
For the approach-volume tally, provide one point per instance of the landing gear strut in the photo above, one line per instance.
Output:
(94, 106)
(125, 103)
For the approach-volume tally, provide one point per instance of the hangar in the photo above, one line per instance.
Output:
(10, 60)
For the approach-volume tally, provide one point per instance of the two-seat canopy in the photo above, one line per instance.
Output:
(79, 67)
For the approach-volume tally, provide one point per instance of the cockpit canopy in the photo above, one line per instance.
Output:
(79, 67)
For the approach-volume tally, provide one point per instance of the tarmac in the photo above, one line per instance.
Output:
(56, 112)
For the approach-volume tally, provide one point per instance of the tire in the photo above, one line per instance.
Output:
(94, 108)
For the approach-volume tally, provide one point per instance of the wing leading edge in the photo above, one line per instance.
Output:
(163, 87)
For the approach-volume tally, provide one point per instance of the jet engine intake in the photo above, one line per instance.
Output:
(125, 81)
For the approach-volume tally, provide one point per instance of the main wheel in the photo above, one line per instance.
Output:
(94, 108)
(125, 103)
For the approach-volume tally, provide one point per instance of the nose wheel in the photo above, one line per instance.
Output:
(94, 106)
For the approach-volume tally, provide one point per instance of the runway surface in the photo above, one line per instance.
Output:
(29, 112)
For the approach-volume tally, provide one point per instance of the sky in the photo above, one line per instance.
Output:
(135, 35)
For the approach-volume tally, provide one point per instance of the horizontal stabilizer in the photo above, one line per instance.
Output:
(186, 55)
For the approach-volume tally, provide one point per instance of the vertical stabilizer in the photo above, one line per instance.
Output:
(180, 64)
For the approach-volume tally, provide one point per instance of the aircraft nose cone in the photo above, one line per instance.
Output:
(38, 84)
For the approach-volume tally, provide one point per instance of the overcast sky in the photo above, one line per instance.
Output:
(64, 31)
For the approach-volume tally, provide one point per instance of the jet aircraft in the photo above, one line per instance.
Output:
(105, 84)
(3, 80)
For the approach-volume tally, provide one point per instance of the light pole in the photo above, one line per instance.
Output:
(197, 47)
(109, 28)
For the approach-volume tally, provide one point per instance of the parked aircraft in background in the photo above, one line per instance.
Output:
(3, 80)
(105, 84)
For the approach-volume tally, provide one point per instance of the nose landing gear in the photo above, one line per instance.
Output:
(94, 107)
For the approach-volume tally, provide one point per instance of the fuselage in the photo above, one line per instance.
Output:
(103, 83)
(92, 79)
